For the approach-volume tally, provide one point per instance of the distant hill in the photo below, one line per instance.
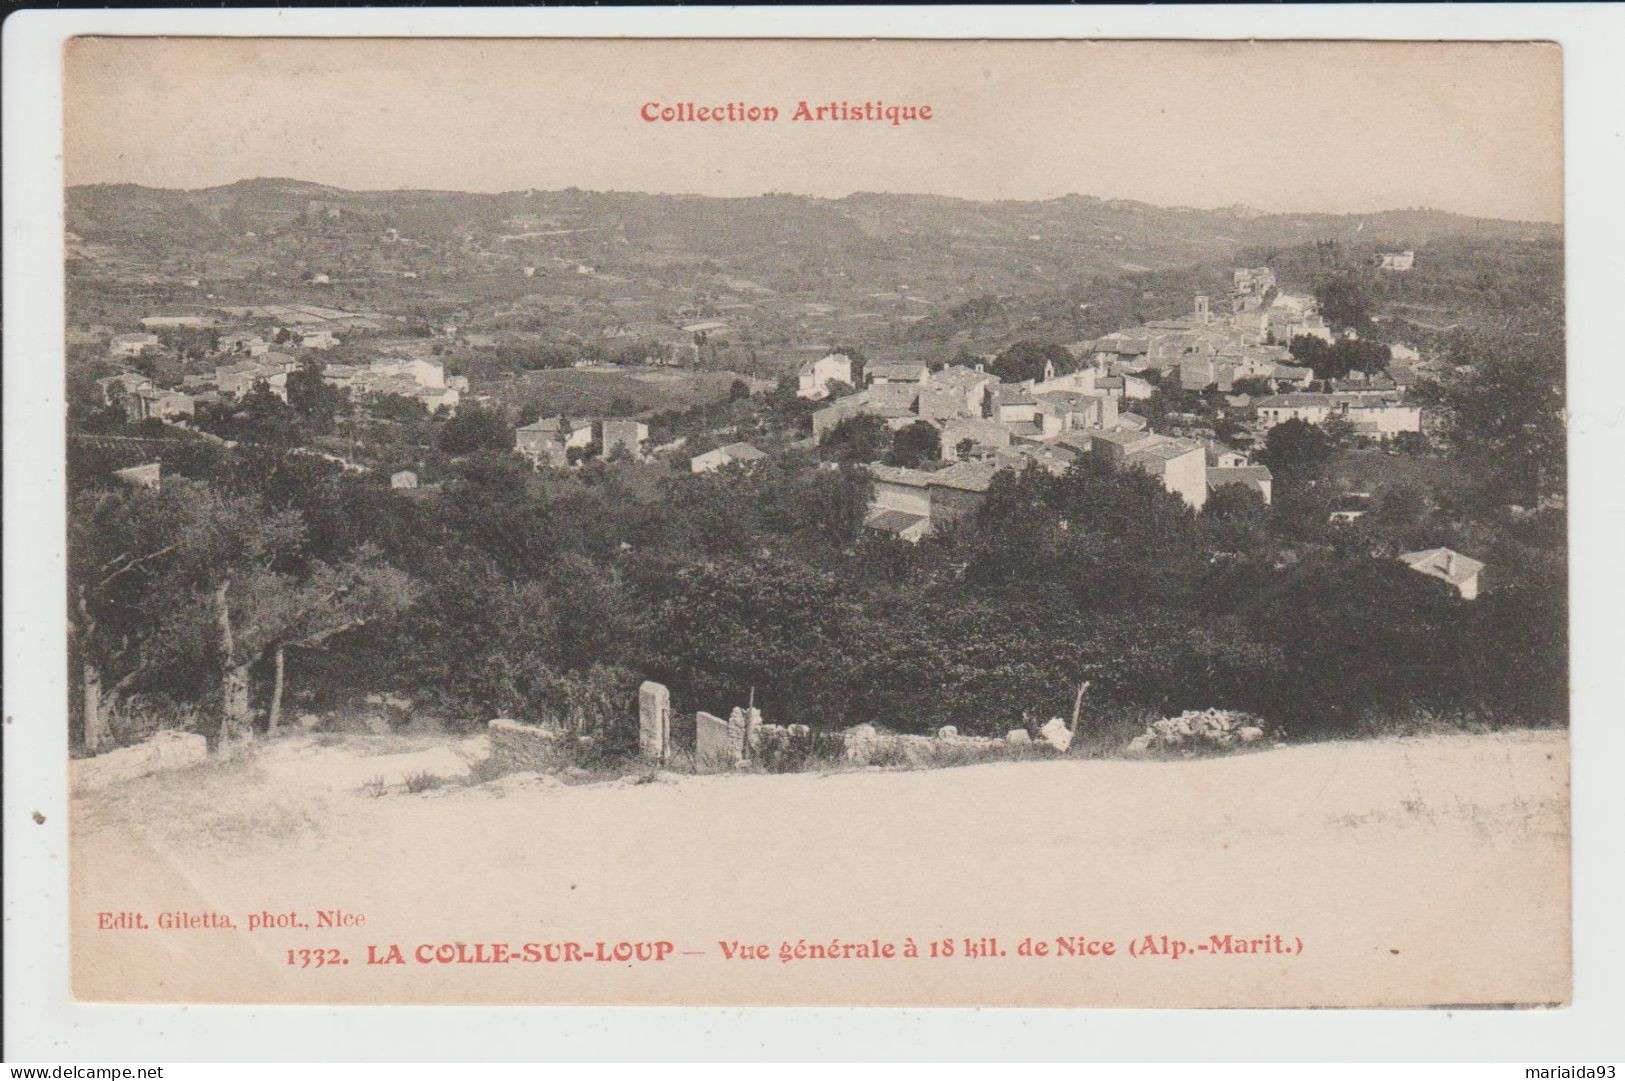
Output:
(1091, 235)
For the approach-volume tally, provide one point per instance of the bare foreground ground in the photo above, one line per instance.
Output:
(1427, 871)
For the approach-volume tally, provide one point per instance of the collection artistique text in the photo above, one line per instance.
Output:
(738, 112)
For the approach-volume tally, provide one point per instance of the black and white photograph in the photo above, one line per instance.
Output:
(798, 522)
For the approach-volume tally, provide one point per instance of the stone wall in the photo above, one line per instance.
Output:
(517, 746)
(164, 751)
(722, 744)
(865, 744)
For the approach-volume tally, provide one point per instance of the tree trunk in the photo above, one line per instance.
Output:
(275, 717)
(234, 720)
(237, 722)
(95, 719)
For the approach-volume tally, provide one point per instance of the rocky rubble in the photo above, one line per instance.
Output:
(1198, 730)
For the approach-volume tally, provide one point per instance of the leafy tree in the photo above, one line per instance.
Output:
(313, 398)
(718, 629)
(915, 444)
(861, 438)
(1345, 304)
(1234, 502)
(395, 407)
(139, 560)
(261, 417)
(473, 430)
(1337, 360)
(1298, 448)
(1026, 360)
(1342, 620)
(172, 583)
(1505, 419)
(262, 613)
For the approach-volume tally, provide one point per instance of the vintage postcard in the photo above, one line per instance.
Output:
(816, 522)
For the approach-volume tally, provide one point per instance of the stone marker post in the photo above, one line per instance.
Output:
(654, 721)
(739, 733)
(713, 743)
(753, 725)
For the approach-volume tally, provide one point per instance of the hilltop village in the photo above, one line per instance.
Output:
(979, 424)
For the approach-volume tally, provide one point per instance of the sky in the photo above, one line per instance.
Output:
(1341, 127)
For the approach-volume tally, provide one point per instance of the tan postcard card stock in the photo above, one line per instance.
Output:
(789, 522)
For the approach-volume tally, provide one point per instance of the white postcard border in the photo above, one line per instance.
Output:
(43, 1024)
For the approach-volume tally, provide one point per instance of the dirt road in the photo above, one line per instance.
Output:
(1396, 872)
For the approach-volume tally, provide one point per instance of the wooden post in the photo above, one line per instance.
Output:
(1077, 706)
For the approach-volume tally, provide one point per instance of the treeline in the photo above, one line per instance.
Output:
(486, 363)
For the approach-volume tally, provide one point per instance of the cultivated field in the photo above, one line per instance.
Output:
(613, 391)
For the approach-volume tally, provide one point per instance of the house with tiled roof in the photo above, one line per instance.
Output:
(1255, 477)
(729, 454)
(900, 503)
(150, 402)
(1376, 416)
(1054, 458)
(986, 435)
(1115, 444)
(1459, 571)
(1291, 375)
(897, 372)
(910, 503)
(970, 383)
(548, 440)
(813, 379)
(1012, 403)
(130, 345)
(1180, 464)
(937, 404)
(116, 389)
(1279, 408)
(1074, 410)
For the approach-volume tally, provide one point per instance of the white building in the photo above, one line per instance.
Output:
(897, 372)
(1459, 571)
(1377, 417)
(815, 376)
(1279, 408)
(130, 345)
(1180, 464)
(153, 322)
(727, 455)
